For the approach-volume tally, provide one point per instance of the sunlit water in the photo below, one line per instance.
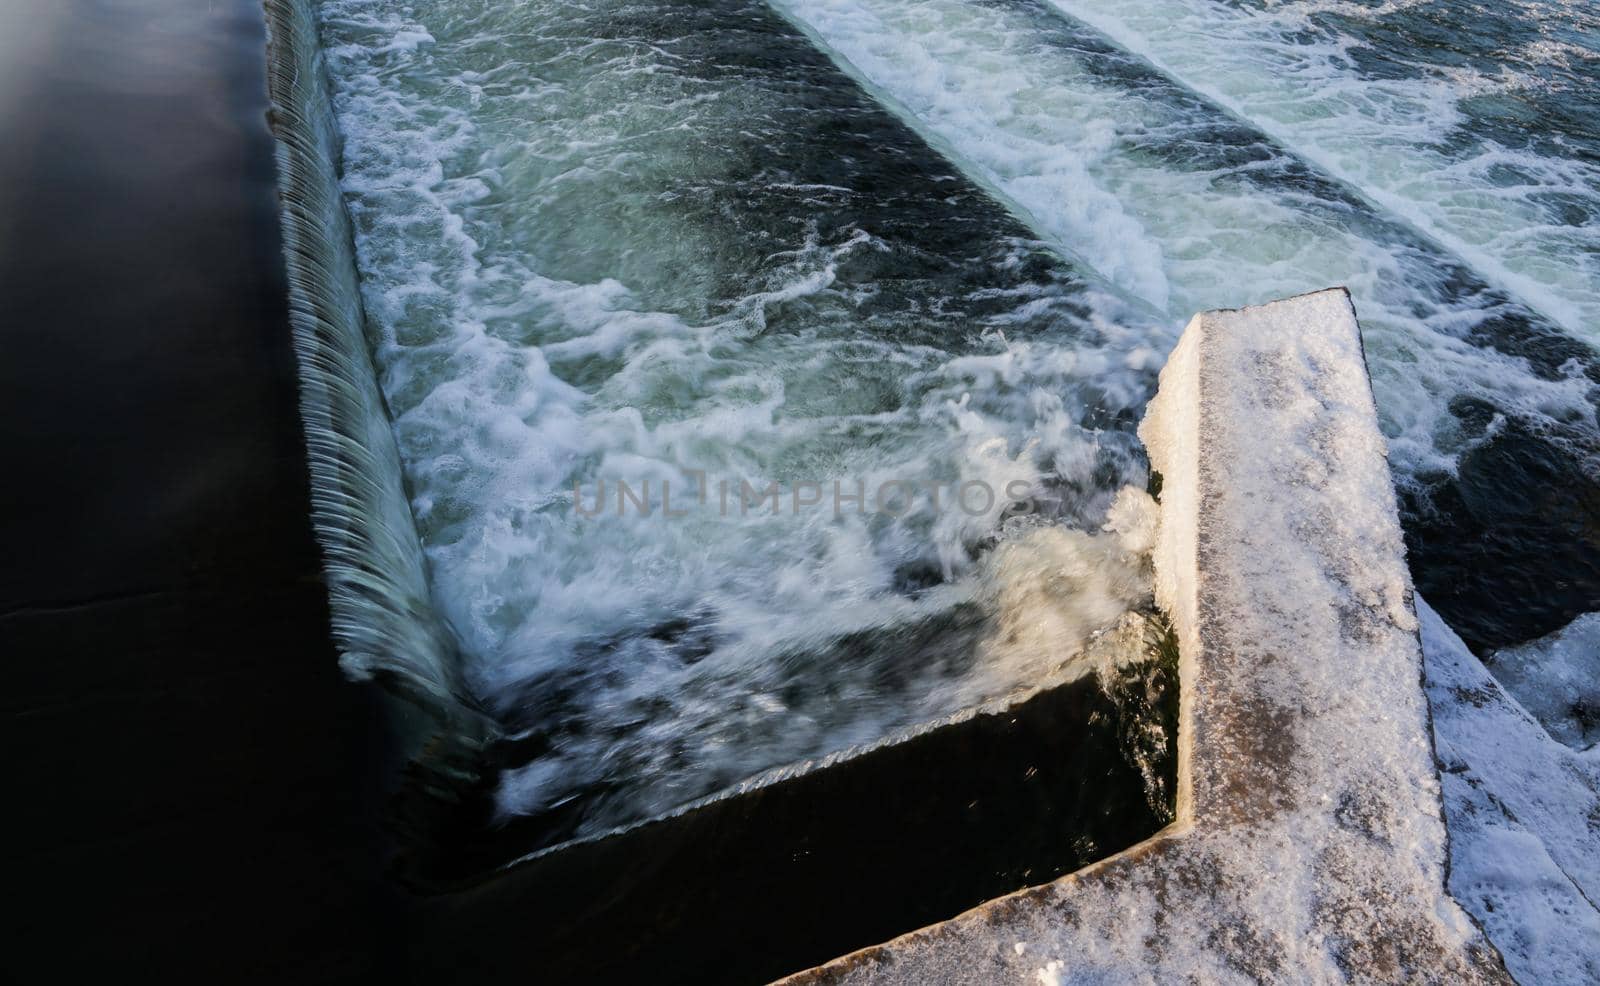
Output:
(1187, 208)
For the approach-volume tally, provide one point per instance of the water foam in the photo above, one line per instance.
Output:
(1403, 118)
(604, 243)
(1178, 203)
(382, 616)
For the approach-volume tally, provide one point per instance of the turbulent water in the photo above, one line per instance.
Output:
(670, 244)
(663, 255)
(1222, 177)
(1479, 123)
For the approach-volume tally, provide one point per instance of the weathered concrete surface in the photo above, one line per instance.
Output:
(1309, 845)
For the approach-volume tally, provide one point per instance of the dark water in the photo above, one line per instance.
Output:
(1551, 48)
(191, 782)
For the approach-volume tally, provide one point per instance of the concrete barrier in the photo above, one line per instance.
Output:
(1309, 844)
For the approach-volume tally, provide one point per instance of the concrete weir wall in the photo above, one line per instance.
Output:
(1309, 844)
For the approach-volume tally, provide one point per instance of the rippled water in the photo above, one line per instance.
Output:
(1188, 208)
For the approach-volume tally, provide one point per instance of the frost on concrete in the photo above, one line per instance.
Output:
(1557, 679)
(1524, 819)
(1309, 845)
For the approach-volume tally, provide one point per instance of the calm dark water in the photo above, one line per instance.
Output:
(192, 786)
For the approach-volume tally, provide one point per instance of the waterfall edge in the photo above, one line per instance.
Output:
(382, 615)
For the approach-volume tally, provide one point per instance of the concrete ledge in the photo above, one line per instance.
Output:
(1309, 845)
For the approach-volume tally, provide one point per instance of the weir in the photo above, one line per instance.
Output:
(382, 615)
(1032, 786)
(1307, 837)
(1189, 204)
(672, 261)
(1309, 844)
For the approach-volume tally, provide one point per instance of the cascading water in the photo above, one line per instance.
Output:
(1490, 406)
(376, 572)
(628, 266)
(1476, 122)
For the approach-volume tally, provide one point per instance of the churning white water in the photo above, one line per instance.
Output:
(1186, 207)
(763, 374)
(1474, 122)
(1440, 158)
(630, 267)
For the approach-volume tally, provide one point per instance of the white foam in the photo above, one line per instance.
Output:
(1038, 108)
(1293, 76)
(545, 317)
